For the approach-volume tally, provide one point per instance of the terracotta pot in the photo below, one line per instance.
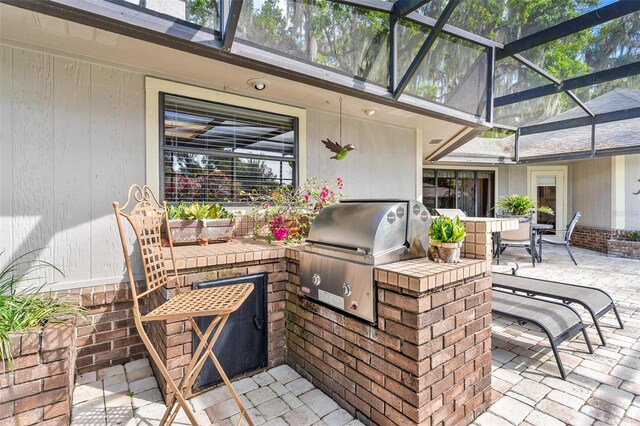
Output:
(292, 228)
(298, 226)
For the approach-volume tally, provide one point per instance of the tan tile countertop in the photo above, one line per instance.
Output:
(235, 251)
(489, 224)
(423, 274)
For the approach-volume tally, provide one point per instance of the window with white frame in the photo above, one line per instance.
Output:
(217, 152)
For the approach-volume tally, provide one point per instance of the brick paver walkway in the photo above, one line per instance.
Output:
(129, 395)
(601, 389)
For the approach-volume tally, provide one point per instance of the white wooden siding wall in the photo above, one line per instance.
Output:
(518, 180)
(72, 143)
(383, 166)
(632, 168)
(591, 191)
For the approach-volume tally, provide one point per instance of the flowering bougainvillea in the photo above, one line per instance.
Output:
(284, 213)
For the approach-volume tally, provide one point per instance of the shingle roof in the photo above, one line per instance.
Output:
(608, 135)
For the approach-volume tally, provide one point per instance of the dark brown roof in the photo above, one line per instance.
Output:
(617, 134)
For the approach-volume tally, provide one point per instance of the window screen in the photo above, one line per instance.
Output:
(214, 152)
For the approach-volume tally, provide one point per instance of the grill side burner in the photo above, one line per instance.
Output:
(347, 240)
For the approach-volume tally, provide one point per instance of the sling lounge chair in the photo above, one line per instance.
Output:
(596, 301)
(559, 322)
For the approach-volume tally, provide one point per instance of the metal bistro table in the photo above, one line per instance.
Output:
(537, 229)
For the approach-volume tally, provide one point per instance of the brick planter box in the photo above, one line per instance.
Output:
(623, 248)
(39, 389)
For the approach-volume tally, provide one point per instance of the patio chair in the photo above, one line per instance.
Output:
(558, 321)
(146, 218)
(521, 237)
(596, 301)
(567, 238)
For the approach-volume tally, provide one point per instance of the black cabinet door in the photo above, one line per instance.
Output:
(242, 345)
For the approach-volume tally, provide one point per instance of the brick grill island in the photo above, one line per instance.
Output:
(428, 358)
(426, 361)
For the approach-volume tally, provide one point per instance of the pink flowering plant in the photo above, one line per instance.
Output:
(284, 213)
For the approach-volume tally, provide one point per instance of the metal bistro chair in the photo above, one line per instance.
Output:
(566, 242)
(146, 218)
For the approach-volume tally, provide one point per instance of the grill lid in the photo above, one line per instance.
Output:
(373, 227)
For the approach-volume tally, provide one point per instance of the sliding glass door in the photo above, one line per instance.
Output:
(468, 190)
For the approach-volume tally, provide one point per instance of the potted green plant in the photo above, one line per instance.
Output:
(446, 235)
(200, 223)
(518, 205)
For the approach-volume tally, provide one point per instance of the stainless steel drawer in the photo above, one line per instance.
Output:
(347, 286)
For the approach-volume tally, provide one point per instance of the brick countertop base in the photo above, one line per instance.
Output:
(426, 361)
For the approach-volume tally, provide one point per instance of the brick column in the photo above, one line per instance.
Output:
(478, 244)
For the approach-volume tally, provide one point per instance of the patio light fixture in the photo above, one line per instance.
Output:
(258, 84)
(370, 111)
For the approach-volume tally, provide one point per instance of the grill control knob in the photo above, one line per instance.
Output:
(346, 289)
(315, 279)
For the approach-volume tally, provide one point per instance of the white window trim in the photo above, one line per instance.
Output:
(153, 88)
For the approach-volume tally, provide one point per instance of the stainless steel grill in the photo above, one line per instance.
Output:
(347, 240)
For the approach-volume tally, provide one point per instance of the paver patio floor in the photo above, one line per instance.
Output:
(129, 395)
(602, 389)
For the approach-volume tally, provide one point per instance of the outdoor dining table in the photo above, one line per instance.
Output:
(536, 232)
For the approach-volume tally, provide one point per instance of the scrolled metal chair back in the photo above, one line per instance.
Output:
(146, 217)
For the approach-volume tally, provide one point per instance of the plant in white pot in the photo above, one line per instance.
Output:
(446, 236)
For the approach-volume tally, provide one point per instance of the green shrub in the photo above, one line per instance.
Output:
(26, 308)
(443, 229)
(633, 236)
(518, 205)
(197, 211)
